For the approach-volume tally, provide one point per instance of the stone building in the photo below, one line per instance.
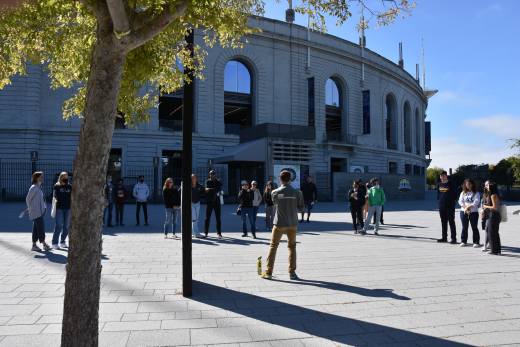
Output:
(288, 98)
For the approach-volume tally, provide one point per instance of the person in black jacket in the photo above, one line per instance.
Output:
(245, 200)
(447, 197)
(356, 198)
(62, 191)
(310, 196)
(213, 189)
(172, 203)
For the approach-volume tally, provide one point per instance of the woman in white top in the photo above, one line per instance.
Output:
(469, 201)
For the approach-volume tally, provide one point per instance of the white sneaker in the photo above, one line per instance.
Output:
(63, 245)
(55, 246)
(463, 244)
(477, 245)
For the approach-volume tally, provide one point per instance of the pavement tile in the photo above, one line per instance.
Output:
(220, 335)
(159, 338)
(132, 326)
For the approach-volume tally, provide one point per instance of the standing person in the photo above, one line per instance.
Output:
(447, 196)
(288, 202)
(376, 199)
(356, 198)
(365, 206)
(109, 202)
(141, 194)
(120, 199)
(172, 203)
(273, 183)
(381, 221)
(213, 188)
(61, 191)
(257, 200)
(469, 201)
(491, 211)
(196, 193)
(269, 205)
(310, 196)
(362, 198)
(483, 219)
(245, 200)
(36, 208)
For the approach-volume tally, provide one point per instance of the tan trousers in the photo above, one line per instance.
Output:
(276, 236)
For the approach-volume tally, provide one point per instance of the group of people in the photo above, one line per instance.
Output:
(366, 201)
(473, 205)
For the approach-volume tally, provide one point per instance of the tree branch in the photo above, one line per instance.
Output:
(119, 17)
(156, 25)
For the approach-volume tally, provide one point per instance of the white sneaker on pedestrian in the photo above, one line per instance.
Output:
(463, 244)
(477, 245)
(55, 246)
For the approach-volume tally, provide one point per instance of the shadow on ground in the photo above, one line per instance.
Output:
(320, 324)
(374, 293)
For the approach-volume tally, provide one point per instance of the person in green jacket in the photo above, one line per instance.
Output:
(376, 199)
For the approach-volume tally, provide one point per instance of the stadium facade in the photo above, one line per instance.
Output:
(290, 98)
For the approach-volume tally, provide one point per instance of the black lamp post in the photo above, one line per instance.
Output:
(187, 127)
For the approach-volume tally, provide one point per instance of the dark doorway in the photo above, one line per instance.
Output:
(171, 166)
(245, 170)
(115, 160)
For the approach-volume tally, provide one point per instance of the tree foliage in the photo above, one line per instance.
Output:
(60, 34)
(432, 175)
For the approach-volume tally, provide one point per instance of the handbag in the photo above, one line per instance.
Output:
(239, 211)
(53, 209)
(503, 212)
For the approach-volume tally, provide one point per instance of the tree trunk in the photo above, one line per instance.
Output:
(82, 285)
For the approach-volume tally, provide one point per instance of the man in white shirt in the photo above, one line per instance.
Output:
(141, 194)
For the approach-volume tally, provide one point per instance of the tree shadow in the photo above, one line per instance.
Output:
(374, 293)
(320, 324)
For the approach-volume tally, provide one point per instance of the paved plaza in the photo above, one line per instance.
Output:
(400, 288)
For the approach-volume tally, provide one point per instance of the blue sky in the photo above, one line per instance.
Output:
(472, 55)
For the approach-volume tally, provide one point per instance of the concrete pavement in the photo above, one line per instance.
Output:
(400, 288)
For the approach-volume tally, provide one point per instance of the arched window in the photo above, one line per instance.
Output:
(418, 131)
(407, 113)
(237, 97)
(333, 110)
(391, 122)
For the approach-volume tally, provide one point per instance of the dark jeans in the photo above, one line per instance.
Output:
(492, 226)
(448, 217)
(357, 216)
(466, 220)
(62, 225)
(138, 210)
(120, 209)
(210, 207)
(250, 212)
(108, 210)
(38, 232)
